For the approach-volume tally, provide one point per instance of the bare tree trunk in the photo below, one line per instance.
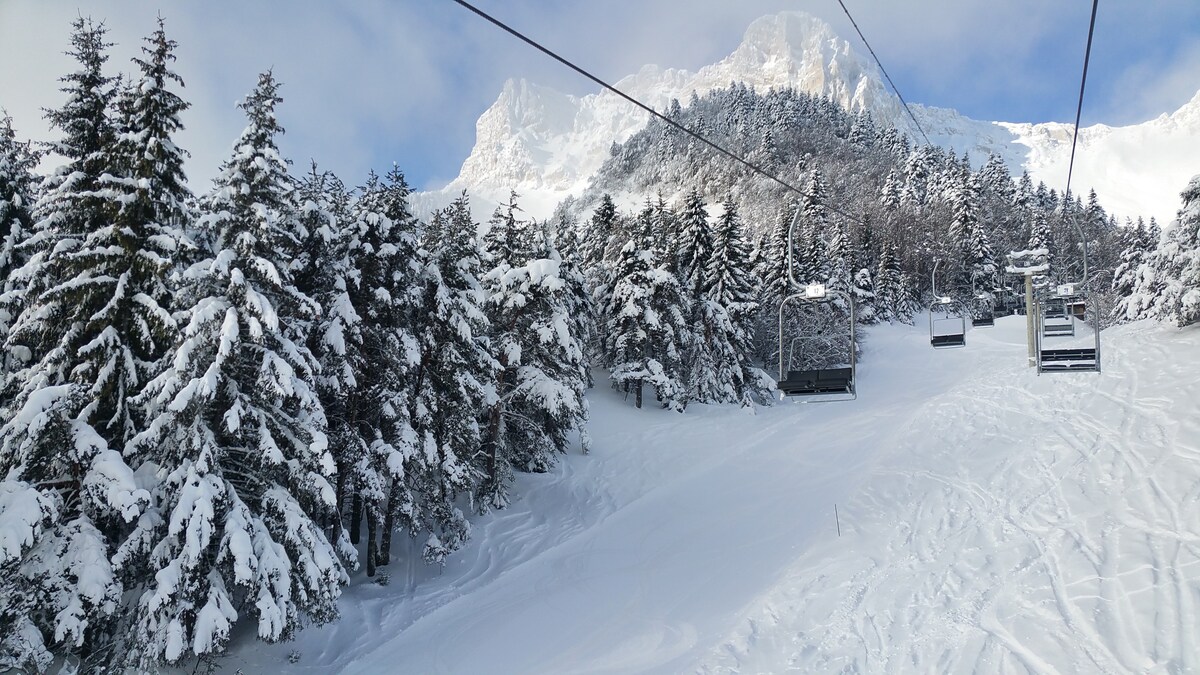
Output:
(495, 422)
(372, 527)
(637, 389)
(356, 514)
(384, 555)
(335, 527)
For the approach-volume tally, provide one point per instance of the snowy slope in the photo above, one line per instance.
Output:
(547, 145)
(992, 521)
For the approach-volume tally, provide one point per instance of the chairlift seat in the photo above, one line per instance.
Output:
(1067, 360)
(1058, 329)
(986, 320)
(823, 381)
(950, 340)
(1081, 354)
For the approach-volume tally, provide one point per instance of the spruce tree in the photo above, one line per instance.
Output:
(601, 227)
(772, 269)
(454, 382)
(645, 325)
(326, 274)
(1136, 250)
(961, 269)
(694, 247)
(1172, 281)
(731, 288)
(386, 263)
(17, 162)
(891, 295)
(541, 382)
(238, 430)
(80, 361)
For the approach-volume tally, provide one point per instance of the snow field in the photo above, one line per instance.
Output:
(992, 521)
(1027, 524)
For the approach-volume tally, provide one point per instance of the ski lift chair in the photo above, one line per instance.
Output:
(986, 314)
(984, 319)
(825, 384)
(831, 384)
(1073, 359)
(943, 304)
(1056, 321)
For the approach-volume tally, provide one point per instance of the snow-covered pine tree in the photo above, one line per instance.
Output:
(982, 265)
(581, 310)
(731, 288)
(600, 233)
(772, 269)
(702, 355)
(812, 259)
(1040, 236)
(771, 273)
(238, 432)
(917, 175)
(664, 231)
(541, 382)
(17, 163)
(1173, 277)
(840, 257)
(887, 284)
(127, 260)
(889, 196)
(694, 246)
(1136, 250)
(863, 288)
(325, 273)
(72, 493)
(68, 207)
(507, 246)
(386, 264)
(454, 383)
(896, 288)
(566, 233)
(960, 268)
(600, 228)
(645, 325)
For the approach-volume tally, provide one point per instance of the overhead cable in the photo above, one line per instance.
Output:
(1087, 55)
(885, 74)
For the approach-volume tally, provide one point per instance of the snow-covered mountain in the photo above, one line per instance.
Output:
(546, 145)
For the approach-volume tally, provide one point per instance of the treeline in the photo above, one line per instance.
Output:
(1159, 274)
(207, 399)
(869, 198)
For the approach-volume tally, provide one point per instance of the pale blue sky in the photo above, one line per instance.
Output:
(376, 81)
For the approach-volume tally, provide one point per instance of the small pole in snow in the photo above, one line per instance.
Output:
(837, 520)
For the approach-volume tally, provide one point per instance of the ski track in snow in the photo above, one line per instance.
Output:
(992, 521)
